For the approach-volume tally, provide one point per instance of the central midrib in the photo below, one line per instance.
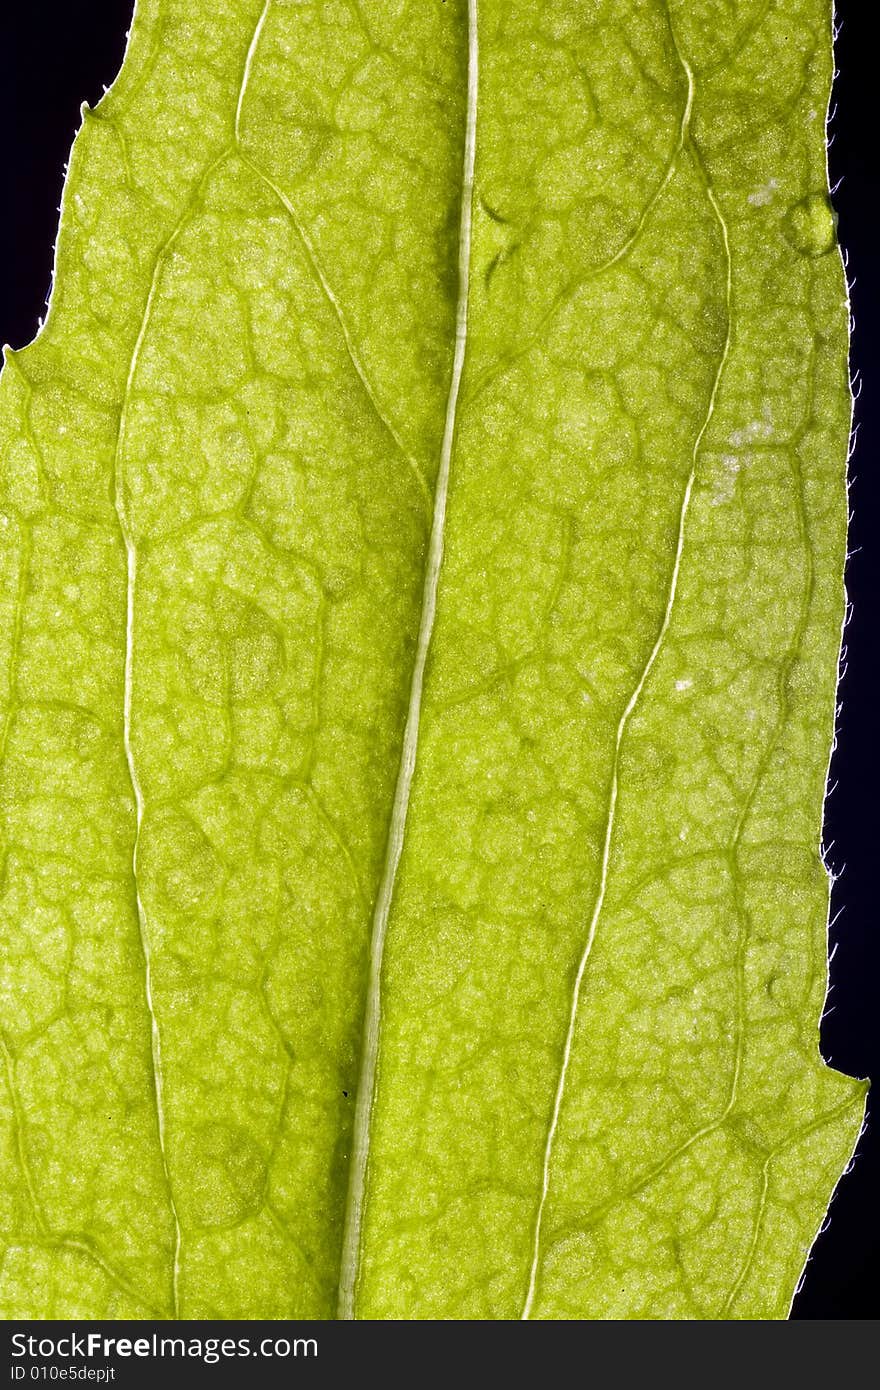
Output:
(351, 1245)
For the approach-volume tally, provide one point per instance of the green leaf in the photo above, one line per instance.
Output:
(423, 524)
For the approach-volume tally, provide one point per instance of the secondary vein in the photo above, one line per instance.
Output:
(621, 731)
(314, 261)
(131, 583)
(248, 65)
(131, 580)
(321, 279)
(372, 1016)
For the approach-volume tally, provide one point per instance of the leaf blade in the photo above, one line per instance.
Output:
(473, 1110)
(597, 1086)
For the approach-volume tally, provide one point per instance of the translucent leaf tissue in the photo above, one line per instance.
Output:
(422, 528)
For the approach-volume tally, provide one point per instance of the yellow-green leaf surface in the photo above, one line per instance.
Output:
(423, 523)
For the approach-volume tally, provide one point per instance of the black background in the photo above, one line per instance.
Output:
(54, 57)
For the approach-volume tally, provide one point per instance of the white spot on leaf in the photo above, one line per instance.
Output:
(765, 194)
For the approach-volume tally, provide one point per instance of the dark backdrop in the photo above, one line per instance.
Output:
(56, 56)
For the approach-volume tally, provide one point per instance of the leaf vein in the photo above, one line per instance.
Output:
(621, 731)
(409, 747)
